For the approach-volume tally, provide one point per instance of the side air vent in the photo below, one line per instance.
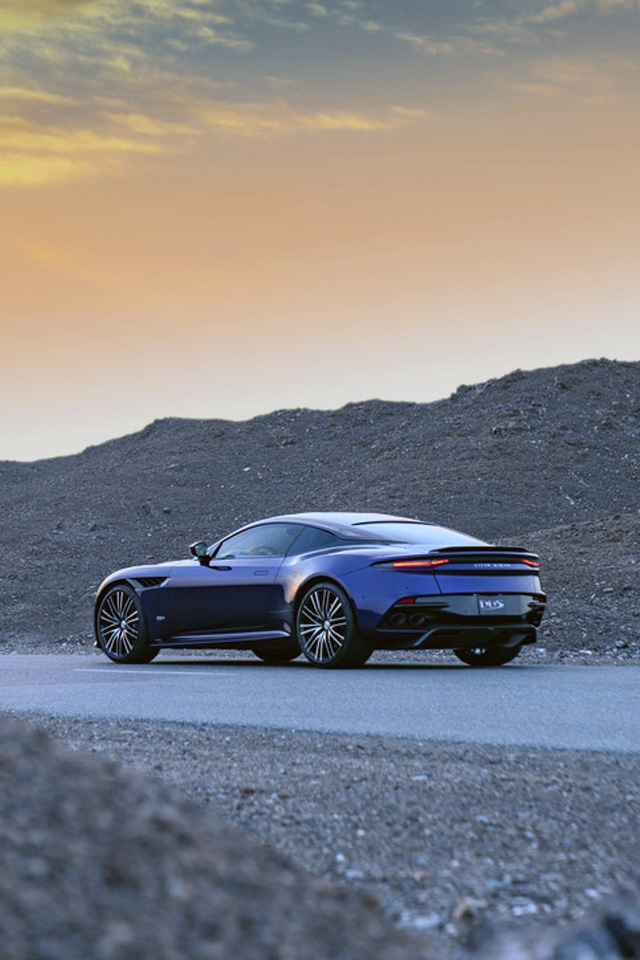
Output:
(150, 581)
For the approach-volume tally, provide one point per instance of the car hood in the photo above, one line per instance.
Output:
(145, 570)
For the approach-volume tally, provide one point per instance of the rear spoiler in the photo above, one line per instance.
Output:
(446, 555)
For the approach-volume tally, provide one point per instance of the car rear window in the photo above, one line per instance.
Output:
(423, 533)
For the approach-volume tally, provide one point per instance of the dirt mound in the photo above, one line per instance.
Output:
(97, 862)
(530, 451)
(591, 574)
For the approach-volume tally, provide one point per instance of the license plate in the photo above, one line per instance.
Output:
(492, 606)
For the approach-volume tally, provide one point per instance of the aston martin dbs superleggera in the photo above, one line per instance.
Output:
(333, 586)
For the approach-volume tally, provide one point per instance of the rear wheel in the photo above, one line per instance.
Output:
(327, 630)
(488, 656)
(122, 628)
(277, 652)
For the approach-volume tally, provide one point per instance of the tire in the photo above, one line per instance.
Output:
(494, 656)
(121, 626)
(279, 651)
(326, 629)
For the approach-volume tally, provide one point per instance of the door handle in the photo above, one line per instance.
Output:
(218, 567)
(261, 573)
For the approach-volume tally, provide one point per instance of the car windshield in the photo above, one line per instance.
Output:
(262, 540)
(423, 533)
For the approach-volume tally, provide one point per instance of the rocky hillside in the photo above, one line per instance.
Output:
(553, 450)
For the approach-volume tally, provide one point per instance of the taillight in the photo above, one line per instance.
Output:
(531, 563)
(413, 564)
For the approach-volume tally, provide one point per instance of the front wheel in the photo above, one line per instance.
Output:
(122, 628)
(488, 656)
(327, 631)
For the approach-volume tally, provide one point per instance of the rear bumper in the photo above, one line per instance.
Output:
(457, 638)
(461, 620)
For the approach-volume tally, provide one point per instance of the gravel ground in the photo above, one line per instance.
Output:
(453, 841)
(101, 864)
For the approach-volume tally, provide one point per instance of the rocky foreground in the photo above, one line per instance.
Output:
(549, 458)
(373, 848)
(98, 864)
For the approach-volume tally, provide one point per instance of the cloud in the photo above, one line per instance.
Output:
(88, 89)
(568, 8)
(140, 123)
(454, 46)
(47, 7)
(269, 119)
(584, 81)
(62, 146)
(609, 5)
(16, 14)
(460, 41)
(412, 114)
(38, 151)
(549, 19)
(214, 37)
(27, 170)
(278, 82)
(579, 75)
(65, 143)
(557, 12)
(21, 94)
(426, 44)
(536, 89)
(505, 31)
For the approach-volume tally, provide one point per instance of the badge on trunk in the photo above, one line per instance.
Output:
(490, 605)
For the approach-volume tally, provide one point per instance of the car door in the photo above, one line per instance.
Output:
(234, 591)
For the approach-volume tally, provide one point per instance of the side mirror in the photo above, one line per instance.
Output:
(199, 551)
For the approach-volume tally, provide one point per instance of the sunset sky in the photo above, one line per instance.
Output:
(217, 208)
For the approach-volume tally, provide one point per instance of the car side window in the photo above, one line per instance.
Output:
(312, 538)
(264, 540)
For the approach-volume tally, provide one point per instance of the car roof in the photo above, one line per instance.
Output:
(343, 518)
(343, 523)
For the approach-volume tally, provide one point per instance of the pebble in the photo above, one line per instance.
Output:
(527, 909)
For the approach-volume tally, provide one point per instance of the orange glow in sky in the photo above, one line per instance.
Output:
(217, 208)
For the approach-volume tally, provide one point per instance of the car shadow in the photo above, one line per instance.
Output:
(218, 663)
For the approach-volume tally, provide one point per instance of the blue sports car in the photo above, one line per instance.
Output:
(333, 586)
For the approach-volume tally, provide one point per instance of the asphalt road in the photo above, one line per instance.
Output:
(547, 706)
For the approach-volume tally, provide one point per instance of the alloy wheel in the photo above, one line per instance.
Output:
(322, 625)
(119, 624)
